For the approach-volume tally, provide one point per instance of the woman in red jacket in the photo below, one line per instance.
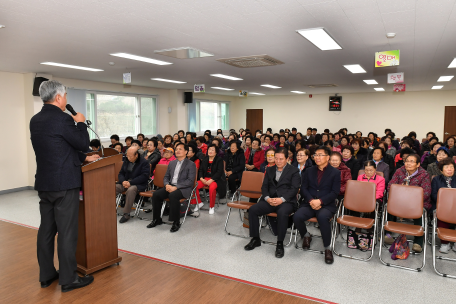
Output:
(254, 156)
(345, 173)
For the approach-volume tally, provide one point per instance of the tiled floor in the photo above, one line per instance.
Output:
(203, 244)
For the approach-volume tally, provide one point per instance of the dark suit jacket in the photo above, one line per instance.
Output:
(287, 186)
(139, 176)
(217, 173)
(327, 191)
(57, 142)
(238, 163)
(186, 178)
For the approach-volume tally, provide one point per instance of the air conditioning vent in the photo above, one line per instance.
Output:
(314, 86)
(251, 61)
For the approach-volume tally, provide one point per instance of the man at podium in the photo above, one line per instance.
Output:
(57, 142)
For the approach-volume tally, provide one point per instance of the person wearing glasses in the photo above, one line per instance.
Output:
(303, 161)
(319, 189)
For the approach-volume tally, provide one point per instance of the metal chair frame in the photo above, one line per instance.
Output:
(317, 236)
(192, 196)
(272, 243)
(238, 195)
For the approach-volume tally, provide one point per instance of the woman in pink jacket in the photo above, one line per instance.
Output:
(371, 176)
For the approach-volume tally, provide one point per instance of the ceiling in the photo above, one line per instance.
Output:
(85, 32)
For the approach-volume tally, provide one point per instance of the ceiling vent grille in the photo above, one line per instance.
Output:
(251, 61)
(315, 86)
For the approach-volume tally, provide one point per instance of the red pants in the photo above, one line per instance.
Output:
(212, 191)
(441, 224)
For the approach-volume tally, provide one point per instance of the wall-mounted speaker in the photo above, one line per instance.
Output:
(36, 85)
(188, 97)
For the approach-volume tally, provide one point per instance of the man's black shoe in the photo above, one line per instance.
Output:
(148, 211)
(155, 223)
(81, 282)
(280, 252)
(329, 256)
(49, 282)
(124, 218)
(175, 227)
(253, 243)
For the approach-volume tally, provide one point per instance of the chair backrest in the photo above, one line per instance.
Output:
(446, 205)
(405, 201)
(159, 175)
(360, 196)
(379, 173)
(251, 184)
(361, 172)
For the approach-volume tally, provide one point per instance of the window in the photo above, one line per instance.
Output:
(208, 115)
(124, 115)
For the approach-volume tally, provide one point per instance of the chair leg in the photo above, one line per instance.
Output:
(226, 225)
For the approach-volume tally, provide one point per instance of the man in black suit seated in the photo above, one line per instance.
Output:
(133, 178)
(280, 187)
(319, 190)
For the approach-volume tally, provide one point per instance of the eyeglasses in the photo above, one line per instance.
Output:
(320, 155)
(410, 162)
(269, 155)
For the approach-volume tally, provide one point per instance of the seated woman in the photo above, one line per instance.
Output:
(128, 141)
(330, 144)
(359, 134)
(212, 175)
(270, 160)
(189, 137)
(450, 144)
(446, 180)
(302, 160)
(246, 142)
(345, 174)
(175, 137)
(350, 161)
(152, 155)
(372, 139)
(168, 156)
(411, 174)
(433, 169)
(144, 145)
(282, 142)
(336, 140)
(291, 139)
(402, 156)
(191, 154)
(168, 141)
(291, 155)
(432, 156)
(216, 141)
(234, 164)
(359, 153)
(207, 139)
(324, 138)
(267, 144)
(201, 144)
(160, 146)
(254, 156)
(391, 149)
(275, 139)
(380, 165)
(299, 136)
(370, 175)
(343, 142)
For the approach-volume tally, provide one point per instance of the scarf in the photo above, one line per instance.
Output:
(346, 159)
(448, 181)
(409, 177)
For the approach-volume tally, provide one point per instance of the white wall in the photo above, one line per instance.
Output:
(402, 112)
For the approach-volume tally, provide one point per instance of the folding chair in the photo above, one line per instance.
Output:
(405, 202)
(273, 214)
(314, 220)
(359, 197)
(159, 175)
(250, 187)
(446, 212)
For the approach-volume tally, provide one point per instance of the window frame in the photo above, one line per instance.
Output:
(219, 114)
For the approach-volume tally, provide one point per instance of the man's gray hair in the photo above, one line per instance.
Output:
(49, 90)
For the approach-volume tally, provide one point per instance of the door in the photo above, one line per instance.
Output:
(254, 120)
(449, 127)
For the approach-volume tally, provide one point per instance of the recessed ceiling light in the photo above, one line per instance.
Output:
(370, 81)
(379, 89)
(226, 77)
(452, 64)
(320, 38)
(354, 68)
(167, 80)
(139, 58)
(390, 35)
(271, 86)
(253, 93)
(2, 26)
(437, 87)
(219, 88)
(71, 66)
(184, 53)
(298, 92)
(445, 78)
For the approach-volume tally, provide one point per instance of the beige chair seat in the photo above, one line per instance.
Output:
(406, 229)
(240, 205)
(149, 193)
(354, 221)
(446, 234)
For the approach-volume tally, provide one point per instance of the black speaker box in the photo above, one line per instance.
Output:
(188, 97)
(36, 85)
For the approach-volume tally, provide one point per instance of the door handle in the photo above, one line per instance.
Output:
(446, 133)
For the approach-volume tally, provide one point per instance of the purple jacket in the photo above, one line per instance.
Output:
(421, 179)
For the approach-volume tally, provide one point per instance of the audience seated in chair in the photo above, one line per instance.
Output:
(137, 144)
(352, 163)
(179, 180)
(378, 156)
(94, 145)
(118, 147)
(152, 155)
(200, 143)
(254, 156)
(234, 165)
(433, 169)
(319, 190)
(168, 156)
(280, 187)
(114, 140)
(269, 162)
(450, 144)
(303, 161)
(192, 154)
(370, 176)
(133, 178)
(345, 174)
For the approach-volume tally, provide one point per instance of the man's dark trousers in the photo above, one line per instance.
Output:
(174, 203)
(262, 208)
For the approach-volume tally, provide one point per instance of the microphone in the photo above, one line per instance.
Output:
(73, 112)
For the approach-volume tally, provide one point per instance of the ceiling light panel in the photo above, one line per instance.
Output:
(184, 53)
(298, 92)
(226, 77)
(254, 93)
(270, 86)
(224, 89)
(370, 81)
(140, 58)
(167, 80)
(320, 38)
(452, 64)
(355, 68)
(71, 66)
(445, 78)
(379, 89)
(437, 87)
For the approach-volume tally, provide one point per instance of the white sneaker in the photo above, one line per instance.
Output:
(444, 248)
(211, 210)
(198, 207)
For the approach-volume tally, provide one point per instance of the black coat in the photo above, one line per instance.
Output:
(238, 163)
(57, 142)
(428, 160)
(287, 186)
(217, 173)
(362, 154)
(354, 166)
(153, 159)
(139, 176)
(437, 183)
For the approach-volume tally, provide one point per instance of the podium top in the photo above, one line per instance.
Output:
(102, 162)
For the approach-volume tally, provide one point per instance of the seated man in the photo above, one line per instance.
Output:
(280, 187)
(179, 181)
(319, 190)
(133, 178)
(95, 145)
(114, 140)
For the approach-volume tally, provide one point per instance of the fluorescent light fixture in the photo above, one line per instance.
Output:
(370, 81)
(437, 87)
(298, 92)
(445, 78)
(270, 86)
(253, 93)
(320, 38)
(2, 26)
(167, 80)
(452, 64)
(226, 77)
(354, 68)
(379, 89)
(139, 58)
(71, 66)
(219, 88)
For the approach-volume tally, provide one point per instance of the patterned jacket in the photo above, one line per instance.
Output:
(421, 179)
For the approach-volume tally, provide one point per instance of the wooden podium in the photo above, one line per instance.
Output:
(97, 240)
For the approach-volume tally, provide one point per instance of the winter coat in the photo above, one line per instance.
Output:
(258, 158)
(345, 175)
(437, 183)
(238, 163)
(433, 170)
(379, 182)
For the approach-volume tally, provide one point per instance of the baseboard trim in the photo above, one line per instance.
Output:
(16, 189)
